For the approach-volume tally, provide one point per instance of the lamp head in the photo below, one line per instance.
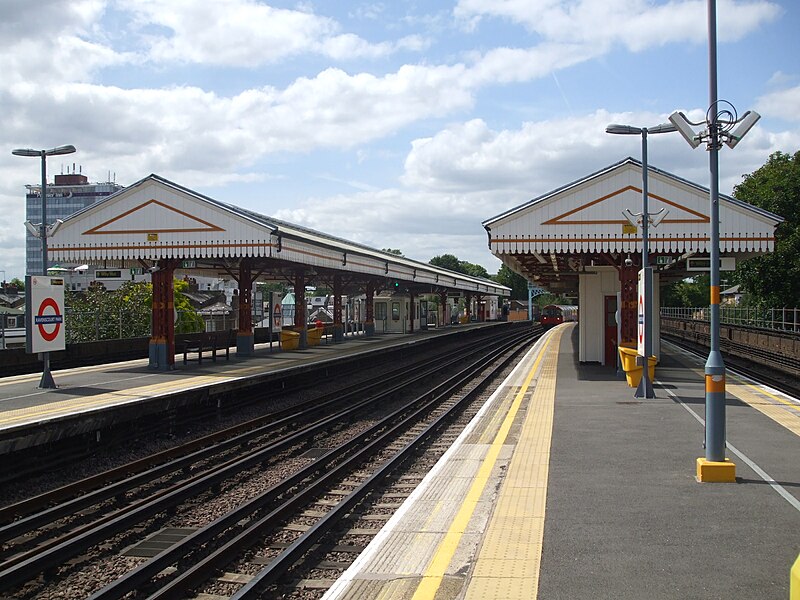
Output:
(746, 123)
(32, 229)
(682, 124)
(26, 152)
(662, 128)
(68, 149)
(623, 129)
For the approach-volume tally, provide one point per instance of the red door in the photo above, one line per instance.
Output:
(610, 331)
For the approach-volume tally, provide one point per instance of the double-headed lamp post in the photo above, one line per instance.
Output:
(722, 125)
(645, 389)
(47, 379)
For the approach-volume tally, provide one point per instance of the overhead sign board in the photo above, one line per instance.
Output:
(726, 263)
(44, 303)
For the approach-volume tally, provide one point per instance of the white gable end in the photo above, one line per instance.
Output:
(588, 217)
(153, 221)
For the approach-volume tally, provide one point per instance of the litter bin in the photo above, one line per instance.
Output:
(290, 340)
(315, 336)
(633, 372)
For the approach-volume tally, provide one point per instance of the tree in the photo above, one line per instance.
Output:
(517, 283)
(188, 319)
(690, 293)
(451, 262)
(773, 280)
(98, 314)
(446, 261)
(17, 283)
(394, 251)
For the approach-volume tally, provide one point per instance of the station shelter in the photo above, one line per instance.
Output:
(577, 242)
(164, 228)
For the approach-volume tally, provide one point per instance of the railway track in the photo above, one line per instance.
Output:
(292, 458)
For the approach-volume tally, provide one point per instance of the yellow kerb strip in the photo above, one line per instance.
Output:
(432, 578)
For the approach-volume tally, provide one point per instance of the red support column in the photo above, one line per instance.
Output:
(162, 338)
(468, 305)
(444, 309)
(300, 325)
(369, 325)
(245, 341)
(628, 279)
(411, 311)
(338, 328)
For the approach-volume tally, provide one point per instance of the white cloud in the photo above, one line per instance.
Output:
(781, 104)
(637, 24)
(245, 33)
(45, 43)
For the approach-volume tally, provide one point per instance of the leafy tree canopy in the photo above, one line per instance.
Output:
(689, 293)
(517, 283)
(451, 262)
(394, 251)
(773, 280)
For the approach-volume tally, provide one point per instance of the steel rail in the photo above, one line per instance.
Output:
(199, 572)
(120, 480)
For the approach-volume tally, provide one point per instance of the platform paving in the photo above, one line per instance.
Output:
(626, 518)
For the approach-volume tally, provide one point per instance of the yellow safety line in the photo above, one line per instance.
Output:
(789, 420)
(766, 393)
(432, 578)
(507, 566)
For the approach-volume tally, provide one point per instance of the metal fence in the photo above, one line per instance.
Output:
(88, 326)
(785, 319)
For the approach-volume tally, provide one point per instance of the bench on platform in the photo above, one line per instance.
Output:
(212, 342)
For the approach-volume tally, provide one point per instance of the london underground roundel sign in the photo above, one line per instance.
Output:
(48, 319)
(45, 310)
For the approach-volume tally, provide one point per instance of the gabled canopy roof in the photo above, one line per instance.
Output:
(587, 216)
(552, 238)
(155, 218)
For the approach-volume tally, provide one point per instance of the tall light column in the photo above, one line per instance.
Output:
(47, 379)
(721, 118)
(645, 389)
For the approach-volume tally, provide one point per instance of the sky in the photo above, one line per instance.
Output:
(397, 124)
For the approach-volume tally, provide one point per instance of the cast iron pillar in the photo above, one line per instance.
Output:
(300, 325)
(443, 306)
(369, 324)
(162, 338)
(245, 340)
(411, 311)
(338, 328)
(628, 311)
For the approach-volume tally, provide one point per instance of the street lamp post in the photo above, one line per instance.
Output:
(721, 118)
(47, 378)
(645, 389)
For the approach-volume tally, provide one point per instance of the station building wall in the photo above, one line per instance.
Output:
(593, 287)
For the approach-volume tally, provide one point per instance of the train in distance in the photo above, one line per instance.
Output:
(555, 314)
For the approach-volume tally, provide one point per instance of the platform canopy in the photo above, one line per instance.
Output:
(156, 219)
(552, 238)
